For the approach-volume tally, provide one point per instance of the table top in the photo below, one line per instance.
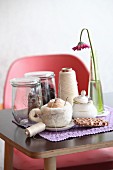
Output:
(42, 148)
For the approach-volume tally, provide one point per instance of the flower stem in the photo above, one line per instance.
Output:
(92, 53)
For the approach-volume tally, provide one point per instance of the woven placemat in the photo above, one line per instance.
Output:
(80, 131)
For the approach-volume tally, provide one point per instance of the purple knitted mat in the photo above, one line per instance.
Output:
(79, 131)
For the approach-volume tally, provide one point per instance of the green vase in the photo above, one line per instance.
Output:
(95, 88)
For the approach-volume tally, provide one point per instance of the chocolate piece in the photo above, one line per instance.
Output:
(90, 122)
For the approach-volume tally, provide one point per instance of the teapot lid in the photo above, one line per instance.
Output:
(81, 98)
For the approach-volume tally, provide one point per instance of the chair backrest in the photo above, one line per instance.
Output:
(53, 62)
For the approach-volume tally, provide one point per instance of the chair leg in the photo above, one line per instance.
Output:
(8, 160)
(50, 163)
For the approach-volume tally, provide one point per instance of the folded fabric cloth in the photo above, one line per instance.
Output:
(24, 126)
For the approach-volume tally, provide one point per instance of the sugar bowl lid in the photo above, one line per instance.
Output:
(81, 98)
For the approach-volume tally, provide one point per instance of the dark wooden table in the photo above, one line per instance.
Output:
(14, 136)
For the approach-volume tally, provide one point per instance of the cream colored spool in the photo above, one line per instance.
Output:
(34, 129)
(67, 84)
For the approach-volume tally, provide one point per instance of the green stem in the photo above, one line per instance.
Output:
(92, 53)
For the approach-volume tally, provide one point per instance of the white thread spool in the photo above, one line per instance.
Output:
(34, 129)
(67, 85)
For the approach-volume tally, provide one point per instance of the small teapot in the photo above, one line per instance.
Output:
(56, 113)
(83, 107)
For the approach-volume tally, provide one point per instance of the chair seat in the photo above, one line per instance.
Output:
(23, 162)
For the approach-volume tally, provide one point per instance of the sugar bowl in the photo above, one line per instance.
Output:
(83, 107)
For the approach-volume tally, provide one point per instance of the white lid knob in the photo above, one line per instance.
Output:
(83, 93)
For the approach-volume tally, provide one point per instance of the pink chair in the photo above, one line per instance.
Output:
(45, 62)
(53, 63)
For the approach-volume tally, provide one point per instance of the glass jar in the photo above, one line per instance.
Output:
(47, 84)
(26, 95)
(95, 87)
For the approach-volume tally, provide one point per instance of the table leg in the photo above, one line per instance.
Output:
(50, 163)
(8, 157)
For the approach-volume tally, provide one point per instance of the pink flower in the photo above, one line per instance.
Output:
(80, 46)
(94, 93)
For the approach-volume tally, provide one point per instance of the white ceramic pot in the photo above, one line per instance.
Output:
(56, 117)
(83, 108)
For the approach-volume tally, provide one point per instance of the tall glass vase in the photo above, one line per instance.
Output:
(95, 88)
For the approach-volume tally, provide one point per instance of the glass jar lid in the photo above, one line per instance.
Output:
(24, 81)
(41, 74)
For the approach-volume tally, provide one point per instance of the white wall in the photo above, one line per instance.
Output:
(29, 27)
